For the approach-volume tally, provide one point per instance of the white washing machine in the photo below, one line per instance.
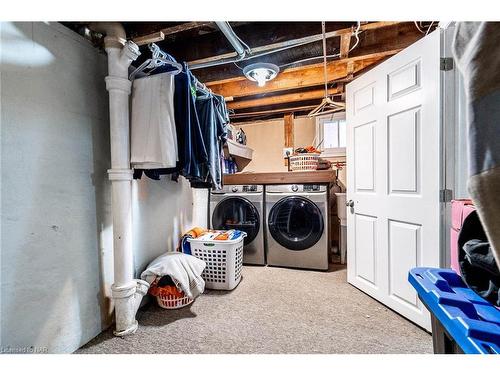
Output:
(297, 226)
(241, 207)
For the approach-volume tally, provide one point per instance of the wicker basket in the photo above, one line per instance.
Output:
(304, 162)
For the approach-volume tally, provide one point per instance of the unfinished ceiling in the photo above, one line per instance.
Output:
(299, 87)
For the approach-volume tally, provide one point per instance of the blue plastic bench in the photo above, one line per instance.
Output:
(462, 321)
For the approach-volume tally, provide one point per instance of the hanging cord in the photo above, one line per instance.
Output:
(323, 29)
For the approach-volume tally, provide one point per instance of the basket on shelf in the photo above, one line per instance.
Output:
(224, 259)
(304, 162)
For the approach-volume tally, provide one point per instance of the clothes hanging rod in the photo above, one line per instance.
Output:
(156, 51)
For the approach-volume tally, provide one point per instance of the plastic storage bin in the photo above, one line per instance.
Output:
(224, 261)
(462, 321)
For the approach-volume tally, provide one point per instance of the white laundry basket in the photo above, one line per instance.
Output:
(224, 261)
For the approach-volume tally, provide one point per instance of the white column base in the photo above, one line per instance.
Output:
(127, 300)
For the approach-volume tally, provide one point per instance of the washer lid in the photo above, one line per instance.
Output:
(296, 223)
(236, 212)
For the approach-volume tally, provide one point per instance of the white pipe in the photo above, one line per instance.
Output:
(228, 32)
(127, 292)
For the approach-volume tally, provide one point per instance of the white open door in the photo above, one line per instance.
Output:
(393, 175)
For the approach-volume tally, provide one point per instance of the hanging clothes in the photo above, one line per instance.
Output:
(192, 153)
(213, 120)
(194, 156)
(200, 122)
(153, 130)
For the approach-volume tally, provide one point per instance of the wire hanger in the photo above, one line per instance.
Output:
(327, 105)
(158, 58)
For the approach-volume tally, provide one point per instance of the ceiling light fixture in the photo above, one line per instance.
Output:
(261, 72)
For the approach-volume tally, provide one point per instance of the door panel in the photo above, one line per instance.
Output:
(364, 159)
(365, 244)
(403, 80)
(404, 254)
(404, 151)
(393, 146)
(364, 98)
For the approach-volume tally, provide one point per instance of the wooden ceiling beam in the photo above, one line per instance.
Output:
(272, 111)
(293, 78)
(160, 35)
(296, 42)
(282, 99)
(345, 43)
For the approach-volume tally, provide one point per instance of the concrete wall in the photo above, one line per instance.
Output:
(56, 260)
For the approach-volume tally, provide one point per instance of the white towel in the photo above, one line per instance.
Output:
(153, 134)
(184, 269)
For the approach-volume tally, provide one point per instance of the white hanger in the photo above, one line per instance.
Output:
(159, 58)
(327, 105)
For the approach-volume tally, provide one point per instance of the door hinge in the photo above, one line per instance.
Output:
(445, 195)
(446, 63)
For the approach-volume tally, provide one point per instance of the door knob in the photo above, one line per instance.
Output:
(349, 203)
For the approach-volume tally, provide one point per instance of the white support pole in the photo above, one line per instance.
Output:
(127, 292)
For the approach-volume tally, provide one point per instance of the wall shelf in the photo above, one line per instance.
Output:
(241, 154)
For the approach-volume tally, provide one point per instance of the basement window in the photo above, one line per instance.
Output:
(331, 134)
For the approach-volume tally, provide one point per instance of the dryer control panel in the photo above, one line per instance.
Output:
(297, 188)
(249, 188)
(236, 189)
(312, 188)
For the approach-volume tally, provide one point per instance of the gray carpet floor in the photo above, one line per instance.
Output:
(273, 310)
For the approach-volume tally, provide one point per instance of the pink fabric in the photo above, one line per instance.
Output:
(460, 209)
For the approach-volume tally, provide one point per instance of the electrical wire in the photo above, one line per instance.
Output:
(309, 59)
(248, 49)
(355, 34)
(418, 27)
(429, 29)
(239, 67)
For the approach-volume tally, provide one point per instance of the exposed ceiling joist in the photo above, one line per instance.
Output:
(272, 111)
(282, 99)
(161, 34)
(293, 42)
(293, 78)
(345, 43)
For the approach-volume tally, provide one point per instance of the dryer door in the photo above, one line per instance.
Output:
(237, 213)
(296, 223)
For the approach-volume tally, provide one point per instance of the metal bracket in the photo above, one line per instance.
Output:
(446, 63)
(445, 195)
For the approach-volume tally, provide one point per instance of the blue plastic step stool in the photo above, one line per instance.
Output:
(462, 321)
